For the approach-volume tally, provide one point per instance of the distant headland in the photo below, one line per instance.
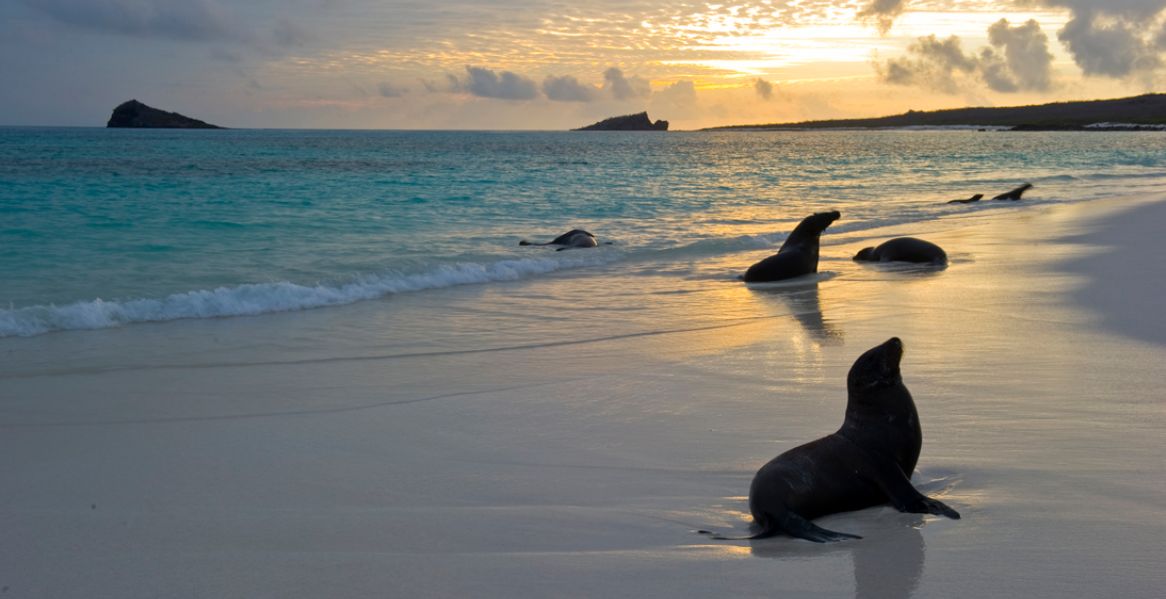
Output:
(1145, 112)
(630, 122)
(134, 114)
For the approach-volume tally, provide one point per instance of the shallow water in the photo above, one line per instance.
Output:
(102, 227)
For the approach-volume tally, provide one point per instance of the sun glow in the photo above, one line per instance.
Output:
(739, 44)
(768, 52)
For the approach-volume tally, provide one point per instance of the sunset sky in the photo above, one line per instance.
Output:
(556, 64)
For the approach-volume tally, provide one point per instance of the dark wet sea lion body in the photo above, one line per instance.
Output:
(867, 462)
(798, 255)
(1015, 193)
(975, 198)
(903, 249)
(575, 238)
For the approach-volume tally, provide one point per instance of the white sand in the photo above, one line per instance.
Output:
(564, 437)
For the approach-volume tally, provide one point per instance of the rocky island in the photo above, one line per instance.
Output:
(134, 114)
(630, 122)
(1139, 113)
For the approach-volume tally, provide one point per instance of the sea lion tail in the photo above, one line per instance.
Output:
(764, 533)
(790, 524)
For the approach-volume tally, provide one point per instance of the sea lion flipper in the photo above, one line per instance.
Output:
(936, 507)
(797, 526)
(918, 503)
(902, 494)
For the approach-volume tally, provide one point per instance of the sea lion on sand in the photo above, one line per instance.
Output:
(975, 198)
(903, 249)
(865, 463)
(798, 255)
(1015, 193)
(575, 238)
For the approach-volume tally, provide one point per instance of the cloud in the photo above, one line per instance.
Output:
(568, 89)
(389, 90)
(1026, 60)
(224, 55)
(624, 88)
(504, 85)
(763, 88)
(1018, 59)
(185, 20)
(677, 101)
(449, 85)
(1114, 49)
(1134, 9)
(289, 34)
(931, 63)
(681, 93)
(1116, 38)
(882, 12)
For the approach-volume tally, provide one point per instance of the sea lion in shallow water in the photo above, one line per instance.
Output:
(975, 198)
(575, 238)
(903, 249)
(867, 462)
(1015, 193)
(798, 255)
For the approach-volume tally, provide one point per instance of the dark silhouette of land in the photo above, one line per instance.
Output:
(631, 122)
(134, 114)
(1137, 113)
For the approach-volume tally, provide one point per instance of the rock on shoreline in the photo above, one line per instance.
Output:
(134, 114)
(630, 122)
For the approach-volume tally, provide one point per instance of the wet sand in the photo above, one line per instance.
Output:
(538, 440)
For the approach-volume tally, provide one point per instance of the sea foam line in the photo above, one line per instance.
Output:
(264, 298)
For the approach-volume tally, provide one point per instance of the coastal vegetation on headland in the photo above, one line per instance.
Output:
(1145, 112)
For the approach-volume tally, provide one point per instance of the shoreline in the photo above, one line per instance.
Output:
(1125, 271)
(439, 446)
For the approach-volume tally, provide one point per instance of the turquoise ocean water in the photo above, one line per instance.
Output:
(102, 228)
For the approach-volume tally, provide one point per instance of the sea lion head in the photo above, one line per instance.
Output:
(818, 221)
(811, 227)
(865, 254)
(877, 369)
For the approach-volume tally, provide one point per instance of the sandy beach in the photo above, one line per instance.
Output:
(452, 444)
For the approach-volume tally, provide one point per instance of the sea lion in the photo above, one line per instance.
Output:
(903, 249)
(867, 462)
(1015, 193)
(575, 238)
(975, 198)
(798, 255)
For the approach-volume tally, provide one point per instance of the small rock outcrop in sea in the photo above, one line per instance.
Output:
(630, 122)
(134, 114)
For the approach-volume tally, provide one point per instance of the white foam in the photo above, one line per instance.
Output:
(263, 298)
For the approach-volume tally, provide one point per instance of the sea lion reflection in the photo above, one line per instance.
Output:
(888, 562)
(805, 305)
